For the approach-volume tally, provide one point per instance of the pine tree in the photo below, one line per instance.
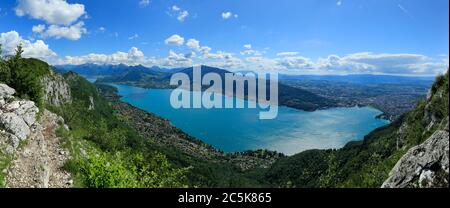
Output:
(19, 52)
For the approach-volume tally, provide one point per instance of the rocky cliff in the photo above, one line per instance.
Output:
(423, 166)
(426, 165)
(30, 151)
(56, 89)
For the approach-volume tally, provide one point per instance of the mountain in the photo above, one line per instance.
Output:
(96, 70)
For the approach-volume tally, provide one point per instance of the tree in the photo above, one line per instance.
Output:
(5, 73)
(19, 52)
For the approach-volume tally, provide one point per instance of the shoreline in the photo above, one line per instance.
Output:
(119, 97)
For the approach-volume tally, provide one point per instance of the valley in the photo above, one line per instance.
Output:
(393, 95)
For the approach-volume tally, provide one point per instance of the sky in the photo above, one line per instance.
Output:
(399, 37)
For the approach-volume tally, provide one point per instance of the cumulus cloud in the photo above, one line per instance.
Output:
(57, 12)
(250, 51)
(38, 28)
(60, 15)
(179, 13)
(73, 32)
(296, 62)
(133, 57)
(37, 49)
(287, 54)
(175, 8)
(228, 15)
(283, 62)
(182, 15)
(193, 44)
(175, 40)
(385, 63)
(178, 59)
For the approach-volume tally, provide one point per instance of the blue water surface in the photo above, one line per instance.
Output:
(234, 130)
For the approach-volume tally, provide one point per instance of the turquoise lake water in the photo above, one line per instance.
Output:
(234, 130)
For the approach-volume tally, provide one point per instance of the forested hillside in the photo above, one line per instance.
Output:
(368, 163)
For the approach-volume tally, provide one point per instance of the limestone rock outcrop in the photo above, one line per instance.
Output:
(424, 166)
(56, 90)
(17, 117)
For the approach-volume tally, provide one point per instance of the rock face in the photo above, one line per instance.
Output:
(16, 117)
(38, 163)
(56, 90)
(423, 166)
(6, 93)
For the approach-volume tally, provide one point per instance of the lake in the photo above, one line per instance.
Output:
(234, 130)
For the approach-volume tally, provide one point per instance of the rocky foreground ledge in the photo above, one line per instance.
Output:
(423, 166)
(29, 147)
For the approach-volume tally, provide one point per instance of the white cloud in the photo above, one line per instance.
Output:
(73, 32)
(178, 59)
(287, 54)
(135, 36)
(144, 3)
(180, 14)
(37, 49)
(205, 50)
(133, 57)
(295, 62)
(284, 62)
(38, 28)
(339, 3)
(193, 44)
(175, 8)
(251, 52)
(175, 40)
(365, 62)
(227, 15)
(57, 12)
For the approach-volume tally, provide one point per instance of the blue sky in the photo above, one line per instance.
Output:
(408, 37)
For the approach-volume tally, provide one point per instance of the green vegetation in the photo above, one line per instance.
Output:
(106, 152)
(365, 163)
(24, 75)
(113, 145)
